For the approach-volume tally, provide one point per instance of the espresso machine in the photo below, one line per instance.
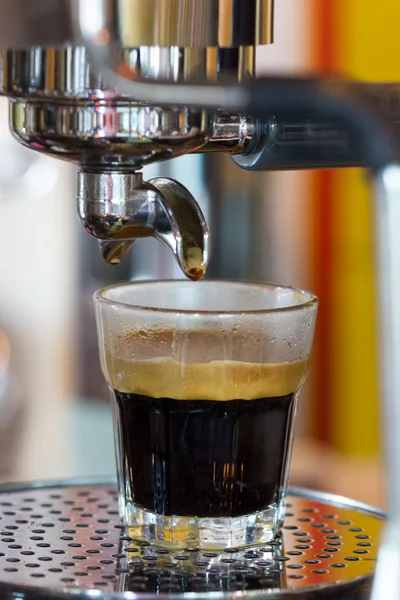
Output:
(113, 86)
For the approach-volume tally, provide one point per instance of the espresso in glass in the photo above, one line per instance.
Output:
(204, 428)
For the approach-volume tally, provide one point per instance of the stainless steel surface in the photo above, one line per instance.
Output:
(117, 75)
(187, 233)
(156, 22)
(66, 71)
(106, 132)
(117, 206)
(65, 537)
(170, 22)
(62, 109)
(232, 133)
(388, 245)
(218, 24)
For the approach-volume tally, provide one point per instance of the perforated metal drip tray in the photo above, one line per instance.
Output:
(67, 537)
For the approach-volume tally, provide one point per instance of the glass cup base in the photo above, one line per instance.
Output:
(206, 533)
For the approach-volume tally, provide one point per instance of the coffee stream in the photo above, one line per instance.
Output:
(204, 439)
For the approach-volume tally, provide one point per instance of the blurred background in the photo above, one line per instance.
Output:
(312, 230)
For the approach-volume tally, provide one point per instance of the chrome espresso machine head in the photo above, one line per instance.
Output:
(64, 105)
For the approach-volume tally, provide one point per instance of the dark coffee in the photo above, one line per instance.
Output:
(204, 458)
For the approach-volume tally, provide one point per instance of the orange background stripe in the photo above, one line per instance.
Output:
(322, 202)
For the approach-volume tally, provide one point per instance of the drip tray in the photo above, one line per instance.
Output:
(67, 537)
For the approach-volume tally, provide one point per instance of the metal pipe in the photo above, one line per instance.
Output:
(387, 212)
(305, 142)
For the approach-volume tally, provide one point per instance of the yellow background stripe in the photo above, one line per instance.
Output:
(368, 48)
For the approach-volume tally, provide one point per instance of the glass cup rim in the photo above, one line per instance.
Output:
(99, 296)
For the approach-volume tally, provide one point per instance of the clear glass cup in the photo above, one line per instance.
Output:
(205, 379)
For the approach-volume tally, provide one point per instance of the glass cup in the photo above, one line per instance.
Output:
(205, 379)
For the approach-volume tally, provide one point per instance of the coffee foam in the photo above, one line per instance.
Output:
(216, 380)
(132, 368)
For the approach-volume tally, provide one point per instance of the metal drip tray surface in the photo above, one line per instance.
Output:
(55, 539)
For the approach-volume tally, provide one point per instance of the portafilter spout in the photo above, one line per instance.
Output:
(117, 207)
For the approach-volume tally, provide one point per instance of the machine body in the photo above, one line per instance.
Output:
(62, 105)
